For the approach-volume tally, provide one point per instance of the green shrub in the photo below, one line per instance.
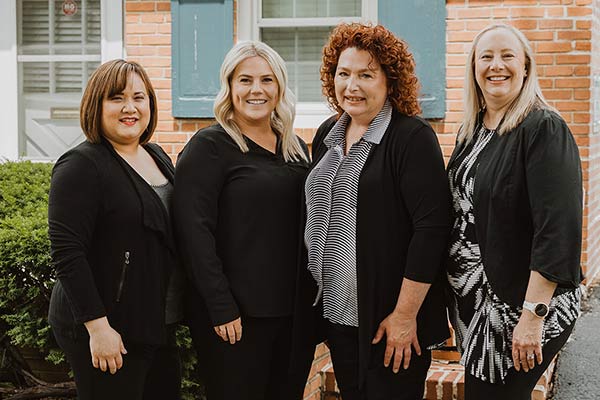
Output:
(25, 271)
(26, 275)
(23, 187)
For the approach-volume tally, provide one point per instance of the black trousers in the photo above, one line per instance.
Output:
(255, 368)
(149, 372)
(381, 383)
(517, 385)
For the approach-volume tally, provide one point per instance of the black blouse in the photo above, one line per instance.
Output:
(237, 218)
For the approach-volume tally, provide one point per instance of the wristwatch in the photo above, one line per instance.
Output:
(540, 310)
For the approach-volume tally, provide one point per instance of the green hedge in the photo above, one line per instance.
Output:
(26, 275)
(25, 271)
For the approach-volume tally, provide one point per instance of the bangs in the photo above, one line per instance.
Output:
(117, 78)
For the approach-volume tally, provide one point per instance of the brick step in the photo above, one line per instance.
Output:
(445, 380)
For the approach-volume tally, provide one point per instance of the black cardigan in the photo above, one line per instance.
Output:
(100, 213)
(402, 229)
(528, 202)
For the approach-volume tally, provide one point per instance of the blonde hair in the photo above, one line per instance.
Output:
(529, 98)
(282, 118)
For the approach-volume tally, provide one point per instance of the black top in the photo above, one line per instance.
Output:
(402, 228)
(237, 218)
(111, 242)
(527, 203)
(176, 289)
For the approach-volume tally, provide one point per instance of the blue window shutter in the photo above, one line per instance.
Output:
(422, 24)
(202, 33)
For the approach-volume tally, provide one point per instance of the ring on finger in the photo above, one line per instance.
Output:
(530, 356)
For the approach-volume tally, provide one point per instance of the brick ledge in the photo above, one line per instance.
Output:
(445, 381)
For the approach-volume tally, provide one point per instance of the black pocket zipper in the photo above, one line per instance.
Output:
(123, 275)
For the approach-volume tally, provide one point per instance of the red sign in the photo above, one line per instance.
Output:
(69, 7)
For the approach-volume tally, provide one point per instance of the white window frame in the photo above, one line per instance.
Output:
(9, 112)
(112, 27)
(249, 23)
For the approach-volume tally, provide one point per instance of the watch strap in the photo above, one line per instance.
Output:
(532, 307)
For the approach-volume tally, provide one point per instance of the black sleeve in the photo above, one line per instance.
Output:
(73, 209)
(554, 185)
(199, 178)
(425, 190)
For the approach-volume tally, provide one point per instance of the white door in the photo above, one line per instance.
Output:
(59, 46)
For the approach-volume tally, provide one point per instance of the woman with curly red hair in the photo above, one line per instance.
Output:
(378, 218)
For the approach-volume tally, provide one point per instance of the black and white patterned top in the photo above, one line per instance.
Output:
(482, 322)
(330, 236)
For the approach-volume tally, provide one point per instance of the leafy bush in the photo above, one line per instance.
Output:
(26, 275)
(25, 271)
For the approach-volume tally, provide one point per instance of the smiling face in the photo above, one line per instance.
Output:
(500, 68)
(360, 85)
(125, 115)
(254, 90)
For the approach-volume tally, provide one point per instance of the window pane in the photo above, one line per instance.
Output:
(301, 49)
(43, 28)
(68, 29)
(68, 77)
(56, 77)
(34, 19)
(36, 77)
(310, 8)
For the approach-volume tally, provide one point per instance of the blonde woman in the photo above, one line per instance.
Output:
(514, 265)
(237, 213)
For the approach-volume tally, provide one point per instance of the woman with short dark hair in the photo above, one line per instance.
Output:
(113, 248)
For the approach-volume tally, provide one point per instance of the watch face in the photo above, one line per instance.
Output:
(541, 310)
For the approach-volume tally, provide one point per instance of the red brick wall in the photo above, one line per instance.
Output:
(563, 34)
(593, 187)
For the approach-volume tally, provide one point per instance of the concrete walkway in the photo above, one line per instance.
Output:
(578, 374)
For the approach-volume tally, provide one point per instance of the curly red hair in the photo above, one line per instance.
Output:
(391, 53)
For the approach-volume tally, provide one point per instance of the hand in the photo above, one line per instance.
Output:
(231, 331)
(106, 346)
(401, 332)
(527, 342)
